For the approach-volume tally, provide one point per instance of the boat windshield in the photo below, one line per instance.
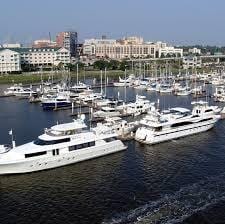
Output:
(52, 142)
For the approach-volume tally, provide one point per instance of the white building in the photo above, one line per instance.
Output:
(194, 50)
(44, 56)
(9, 61)
(16, 45)
(192, 62)
(132, 47)
(163, 50)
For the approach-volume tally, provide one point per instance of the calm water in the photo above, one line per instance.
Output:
(182, 181)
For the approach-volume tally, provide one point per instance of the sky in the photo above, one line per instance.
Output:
(179, 22)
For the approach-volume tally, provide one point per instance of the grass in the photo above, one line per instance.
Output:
(31, 78)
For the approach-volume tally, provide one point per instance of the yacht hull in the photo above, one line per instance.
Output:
(49, 162)
(145, 136)
(51, 106)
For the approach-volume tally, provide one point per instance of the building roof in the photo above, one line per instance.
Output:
(32, 49)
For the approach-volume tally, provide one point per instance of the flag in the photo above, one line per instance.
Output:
(10, 132)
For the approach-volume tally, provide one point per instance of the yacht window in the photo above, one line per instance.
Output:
(35, 154)
(42, 142)
(90, 144)
(209, 110)
(181, 124)
(158, 128)
(81, 146)
(110, 139)
(207, 119)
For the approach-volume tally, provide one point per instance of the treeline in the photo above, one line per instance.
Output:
(101, 65)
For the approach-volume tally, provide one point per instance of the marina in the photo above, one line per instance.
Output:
(150, 164)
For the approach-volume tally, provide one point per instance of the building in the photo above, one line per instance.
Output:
(44, 43)
(192, 62)
(44, 56)
(194, 51)
(163, 50)
(16, 45)
(38, 57)
(9, 61)
(68, 40)
(131, 47)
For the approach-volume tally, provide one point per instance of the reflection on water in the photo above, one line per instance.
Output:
(164, 183)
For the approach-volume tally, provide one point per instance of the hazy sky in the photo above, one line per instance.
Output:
(174, 21)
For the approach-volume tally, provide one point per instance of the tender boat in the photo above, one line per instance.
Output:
(60, 145)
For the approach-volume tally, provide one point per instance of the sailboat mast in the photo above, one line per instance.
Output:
(105, 81)
(101, 81)
(77, 72)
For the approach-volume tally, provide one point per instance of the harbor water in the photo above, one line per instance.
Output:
(180, 181)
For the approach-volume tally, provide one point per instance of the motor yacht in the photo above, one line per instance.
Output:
(140, 106)
(105, 112)
(50, 102)
(60, 145)
(175, 123)
(10, 91)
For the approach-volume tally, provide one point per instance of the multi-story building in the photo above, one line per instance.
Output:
(34, 57)
(68, 40)
(44, 56)
(132, 47)
(192, 62)
(194, 50)
(9, 61)
(163, 50)
(44, 43)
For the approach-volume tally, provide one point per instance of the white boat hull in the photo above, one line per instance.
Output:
(49, 162)
(145, 136)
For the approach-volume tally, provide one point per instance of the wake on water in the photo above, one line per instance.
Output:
(176, 207)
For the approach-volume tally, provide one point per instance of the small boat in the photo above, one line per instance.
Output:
(10, 91)
(105, 112)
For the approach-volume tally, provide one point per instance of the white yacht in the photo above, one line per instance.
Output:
(80, 87)
(140, 106)
(120, 126)
(106, 112)
(10, 91)
(125, 82)
(60, 145)
(25, 92)
(177, 122)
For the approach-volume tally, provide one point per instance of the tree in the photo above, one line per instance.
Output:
(101, 64)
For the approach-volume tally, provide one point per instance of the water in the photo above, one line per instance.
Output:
(181, 181)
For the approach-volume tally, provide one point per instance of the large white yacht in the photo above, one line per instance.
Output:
(60, 145)
(177, 122)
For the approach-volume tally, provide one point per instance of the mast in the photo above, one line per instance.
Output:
(77, 72)
(101, 81)
(125, 86)
(105, 81)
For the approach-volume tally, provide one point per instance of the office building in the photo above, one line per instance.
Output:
(68, 40)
